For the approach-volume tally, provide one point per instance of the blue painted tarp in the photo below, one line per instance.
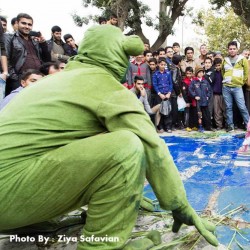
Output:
(208, 166)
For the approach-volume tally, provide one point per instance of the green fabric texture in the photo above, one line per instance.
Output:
(79, 137)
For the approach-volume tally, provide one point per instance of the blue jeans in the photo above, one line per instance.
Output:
(2, 88)
(236, 93)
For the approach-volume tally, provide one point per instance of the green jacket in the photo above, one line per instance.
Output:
(235, 76)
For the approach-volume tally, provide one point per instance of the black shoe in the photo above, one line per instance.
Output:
(230, 129)
(219, 128)
(211, 129)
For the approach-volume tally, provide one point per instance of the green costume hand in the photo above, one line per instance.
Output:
(188, 216)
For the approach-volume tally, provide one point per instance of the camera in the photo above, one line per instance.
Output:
(35, 33)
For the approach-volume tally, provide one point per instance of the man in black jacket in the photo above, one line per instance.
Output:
(3, 59)
(56, 46)
(24, 51)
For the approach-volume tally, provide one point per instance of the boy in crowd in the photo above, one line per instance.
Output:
(201, 92)
(153, 68)
(177, 82)
(71, 48)
(113, 19)
(176, 48)
(49, 68)
(211, 54)
(155, 55)
(163, 85)
(28, 77)
(102, 20)
(147, 56)
(176, 89)
(209, 76)
(218, 101)
(190, 111)
(161, 52)
(139, 67)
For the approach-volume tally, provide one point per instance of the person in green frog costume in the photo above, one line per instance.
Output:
(81, 138)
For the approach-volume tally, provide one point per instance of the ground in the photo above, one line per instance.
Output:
(217, 182)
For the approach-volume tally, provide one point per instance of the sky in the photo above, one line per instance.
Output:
(58, 12)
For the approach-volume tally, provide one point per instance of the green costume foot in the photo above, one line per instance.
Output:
(151, 240)
(147, 204)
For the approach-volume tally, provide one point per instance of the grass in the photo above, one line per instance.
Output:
(189, 238)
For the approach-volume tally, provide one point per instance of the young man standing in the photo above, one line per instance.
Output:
(189, 60)
(235, 74)
(56, 45)
(24, 52)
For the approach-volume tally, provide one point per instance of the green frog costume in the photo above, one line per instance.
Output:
(78, 138)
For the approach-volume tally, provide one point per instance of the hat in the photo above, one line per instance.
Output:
(198, 69)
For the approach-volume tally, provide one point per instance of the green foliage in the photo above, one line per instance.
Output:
(220, 29)
(240, 7)
(79, 21)
(133, 13)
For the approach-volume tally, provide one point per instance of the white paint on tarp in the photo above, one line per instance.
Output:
(198, 153)
(188, 173)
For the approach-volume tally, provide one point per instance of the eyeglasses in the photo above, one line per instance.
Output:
(24, 23)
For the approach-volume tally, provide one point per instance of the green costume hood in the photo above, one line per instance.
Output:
(106, 47)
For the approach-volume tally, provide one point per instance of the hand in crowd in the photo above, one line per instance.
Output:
(168, 95)
(143, 91)
(3, 76)
(197, 98)
(162, 96)
(40, 39)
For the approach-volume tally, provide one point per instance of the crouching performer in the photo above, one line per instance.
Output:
(80, 138)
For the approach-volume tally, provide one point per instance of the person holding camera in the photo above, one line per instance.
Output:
(24, 51)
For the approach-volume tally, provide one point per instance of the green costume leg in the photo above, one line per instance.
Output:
(104, 171)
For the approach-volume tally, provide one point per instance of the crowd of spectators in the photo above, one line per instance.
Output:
(210, 92)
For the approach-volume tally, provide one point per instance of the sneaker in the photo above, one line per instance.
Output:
(188, 129)
(230, 129)
(219, 128)
(160, 131)
(169, 131)
(195, 129)
(201, 129)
